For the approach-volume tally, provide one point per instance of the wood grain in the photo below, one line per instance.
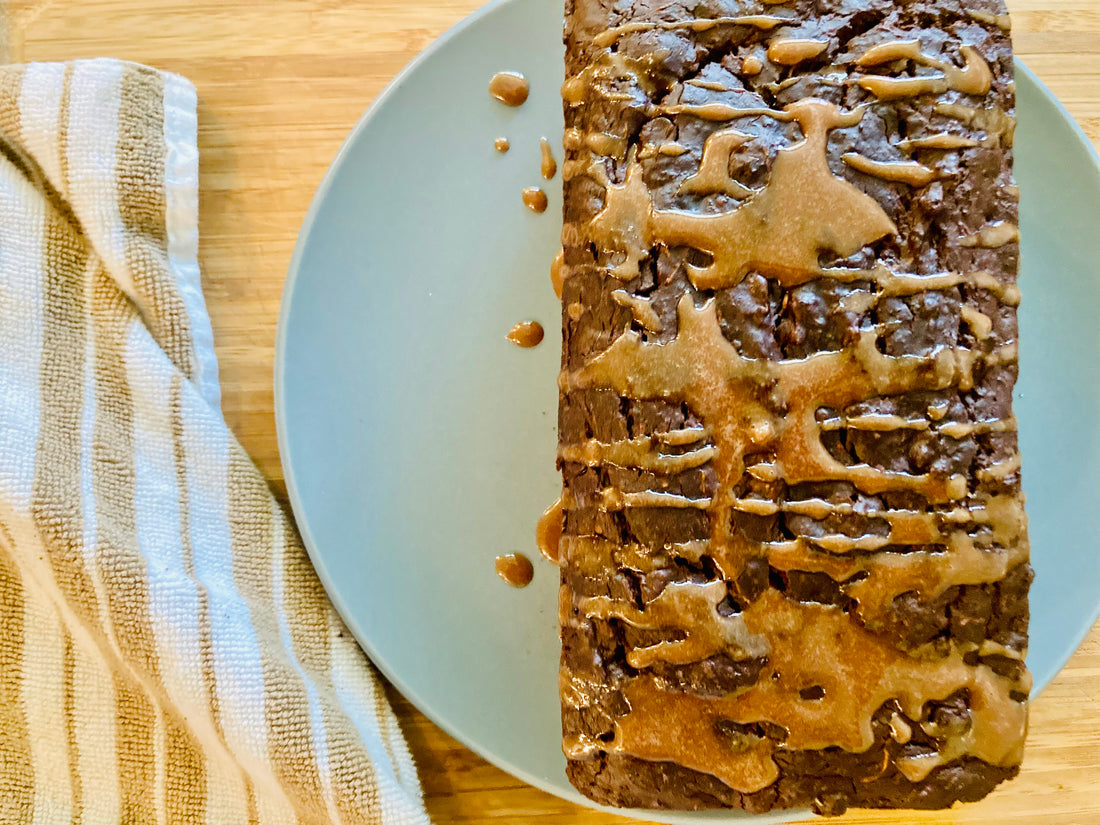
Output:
(280, 84)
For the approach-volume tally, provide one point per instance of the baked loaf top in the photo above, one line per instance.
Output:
(794, 562)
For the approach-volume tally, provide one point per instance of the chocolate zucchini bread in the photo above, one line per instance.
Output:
(794, 560)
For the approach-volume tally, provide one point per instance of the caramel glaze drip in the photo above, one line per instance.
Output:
(738, 396)
(599, 143)
(752, 66)
(895, 283)
(501, 144)
(672, 149)
(709, 85)
(907, 172)
(643, 310)
(1001, 21)
(549, 167)
(510, 88)
(557, 272)
(760, 422)
(995, 235)
(998, 126)
(889, 575)
(974, 78)
(937, 141)
(794, 51)
(601, 76)
(700, 24)
(535, 199)
(781, 232)
(980, 323)
(526, 334)
(713, 174)
(900, 729)
(641, 453)
(516, 569)
(890, 423)
(690, 606)
(819, 646)
(548, 532)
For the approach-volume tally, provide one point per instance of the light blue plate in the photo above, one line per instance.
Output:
(418, 443)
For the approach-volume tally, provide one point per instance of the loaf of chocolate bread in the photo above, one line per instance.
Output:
(794, 559)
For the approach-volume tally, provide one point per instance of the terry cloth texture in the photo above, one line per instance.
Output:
(167, 654)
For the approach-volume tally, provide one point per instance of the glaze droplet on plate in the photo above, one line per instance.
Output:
(501, 144)
(526, 334)
(510, 88)
(535, 199)
(516, 569)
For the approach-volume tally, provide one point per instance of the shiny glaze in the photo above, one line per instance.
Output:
(901, 171)
(534, 198)
(752, 408)
(526, 334)
(548, 166)
(510, 88)
(516, 569)
(974, 78)
(557, 272)
(790, 52)
(548, 532)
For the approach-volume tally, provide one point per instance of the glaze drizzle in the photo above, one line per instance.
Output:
(765, 422)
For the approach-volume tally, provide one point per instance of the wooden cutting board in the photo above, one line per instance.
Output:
(280, 84)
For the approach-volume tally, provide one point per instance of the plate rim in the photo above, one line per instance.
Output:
(1094, 156)
(392, 88)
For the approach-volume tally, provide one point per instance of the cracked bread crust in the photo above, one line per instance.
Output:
(647, 93)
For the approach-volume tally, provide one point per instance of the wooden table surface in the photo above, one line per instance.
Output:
(280, 83)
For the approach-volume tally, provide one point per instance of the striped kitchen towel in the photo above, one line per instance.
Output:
(167, 654)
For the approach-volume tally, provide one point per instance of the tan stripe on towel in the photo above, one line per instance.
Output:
(63, 133)
(185, 777)
(253, 807)
(137, 754)
(68, 681)
(57, 467)
(353, 773)
(387, 730)
(286, 706)
(304, 611)
(304, 603)
(353, 777)
(284, 554)
(125, 578)
(11, 85)
(96, 722)
(123, 574)
(17, 802)
(141, 151)
(206, 644)
(43, 698)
